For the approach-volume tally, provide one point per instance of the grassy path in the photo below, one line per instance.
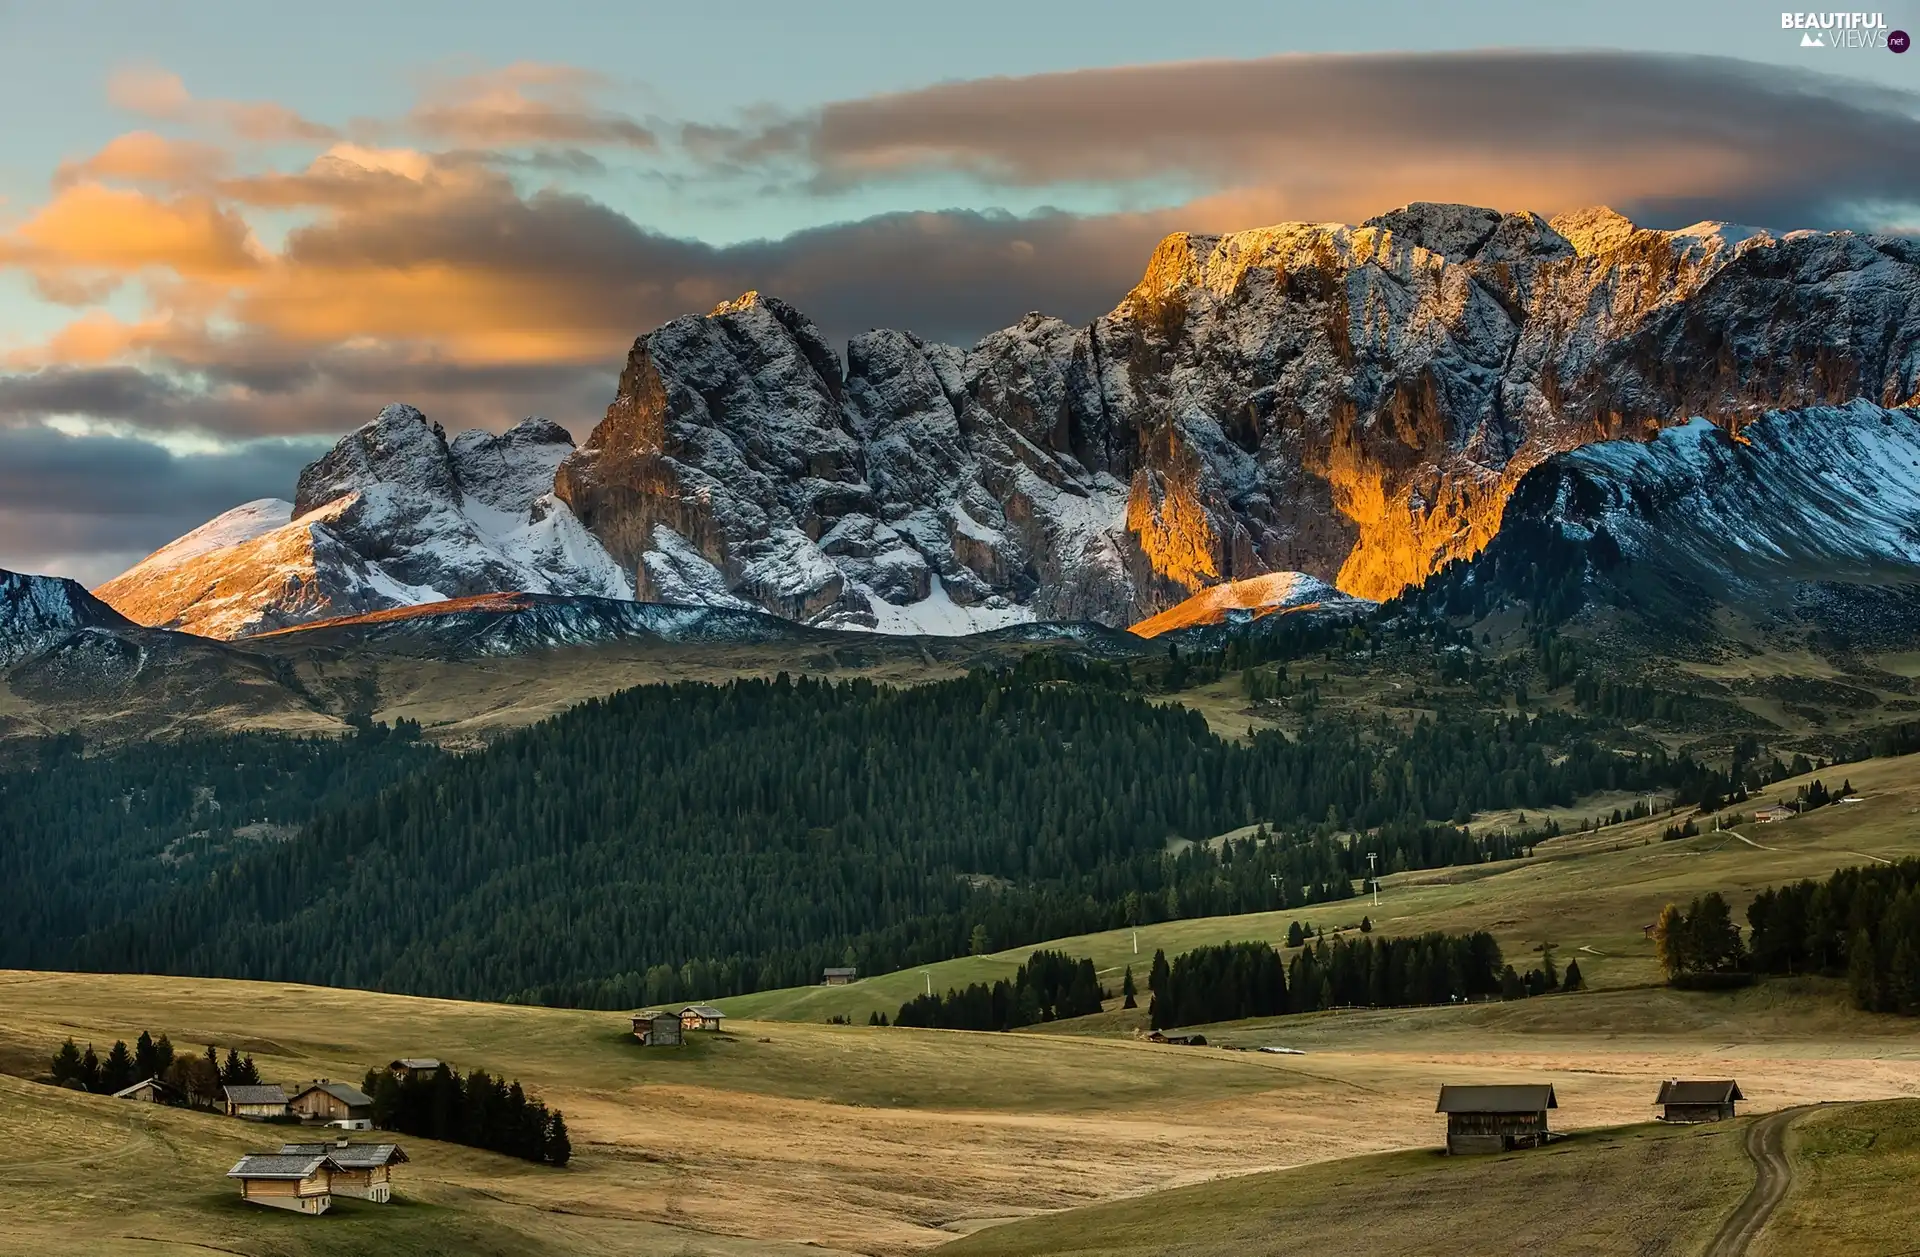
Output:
(1766, 1147)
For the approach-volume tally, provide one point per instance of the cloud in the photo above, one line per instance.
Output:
(145, 157)
(90, 234)
(160, 94)
(524, 103)
(1342, 137)
(88, 506)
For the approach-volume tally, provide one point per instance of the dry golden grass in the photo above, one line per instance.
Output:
(1852, 1196)
(849, 1138)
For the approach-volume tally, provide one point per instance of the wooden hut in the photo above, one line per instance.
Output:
(256, 1103)
(333, 1104)
(407, 1066)
(301, 1183)
(150, 1091)
(1496, 1118)
(1698, 1100)
(657, 1028)
(363, 1171)
(700, 1017)
(840, 976)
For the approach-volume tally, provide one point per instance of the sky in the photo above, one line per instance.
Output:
(230, 233)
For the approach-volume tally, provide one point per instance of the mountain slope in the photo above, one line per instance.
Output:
(1808, 516)
(395, 515)
(37, 612)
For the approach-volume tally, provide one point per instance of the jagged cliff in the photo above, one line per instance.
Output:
(1355, 403)
(1351, 403)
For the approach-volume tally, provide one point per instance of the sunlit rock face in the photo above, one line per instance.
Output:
(1353, 403)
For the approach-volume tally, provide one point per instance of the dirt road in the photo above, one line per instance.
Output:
(1773, 1175)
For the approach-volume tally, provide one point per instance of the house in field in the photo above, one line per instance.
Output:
(1496, 1118)
(363, 1171)
(840, 977)
(149, 1090)
(256, 1103)
(1778, 812)
(333, 1104)
(301, 1183)
(657, 1028)
(1696, 1100)
(700, 1017)
(409, 1066)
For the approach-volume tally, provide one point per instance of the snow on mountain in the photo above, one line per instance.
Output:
(1257, 596)
(39, 612)
(1825, 494)
(394, 515)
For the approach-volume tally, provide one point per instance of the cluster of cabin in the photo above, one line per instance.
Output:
(321, 1102)
(304, 1178)
(661, 1027)
(1501, 1118)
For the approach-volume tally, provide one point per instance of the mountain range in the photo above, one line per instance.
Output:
(1353, 403)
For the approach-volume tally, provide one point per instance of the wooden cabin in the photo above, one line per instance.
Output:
(256, 1103)
(301, 1183)
(658, 1029)
(333, 1104)
(700, 1017)
(149, 1091)
(407, 1066)
(840, 977)
(363, 1171)
(1698, 1100)
(1496, 1118)
(1778, 812)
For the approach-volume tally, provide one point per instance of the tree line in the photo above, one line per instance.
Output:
(194, 1081)
(1230, 981)
(479, 1110)
(1863, 923)
(1049, 987)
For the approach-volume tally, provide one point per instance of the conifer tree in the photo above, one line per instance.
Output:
(1127, 990)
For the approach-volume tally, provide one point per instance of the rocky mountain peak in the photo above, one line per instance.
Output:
(37, 612)
(400, 446)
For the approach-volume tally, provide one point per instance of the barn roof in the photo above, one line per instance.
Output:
(348, 1095)
(275, 1165)
(707, 1011)
(1699, 1091)
(415, 1062)
(155, 1083)
(349, 1156)
(1509, 1098)
(846, 972)
(272, 1093)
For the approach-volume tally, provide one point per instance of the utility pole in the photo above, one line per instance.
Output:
(1373, 877)
(1136, 942)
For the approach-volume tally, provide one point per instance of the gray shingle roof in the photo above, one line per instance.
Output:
(274, 1165)
(415, 1062)
(1512, 1098)
(144, 1082)
(1699, 1091)
(348, 1095)
(272, 1093)
(702, 1010)
(350, 1156)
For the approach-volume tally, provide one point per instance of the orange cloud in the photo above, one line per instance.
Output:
(93, 227)
(144, 157)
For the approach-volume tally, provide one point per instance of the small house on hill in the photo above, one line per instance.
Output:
(1496, 1118)
(1778, 812)
(700, 1017)
(333, 1104)
(1694, 1100)
(302, 1183)
(256, 1103)
(363, 1171)
(150, 1091)
(658, 1029)
(840, 977)
(408, 1066)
